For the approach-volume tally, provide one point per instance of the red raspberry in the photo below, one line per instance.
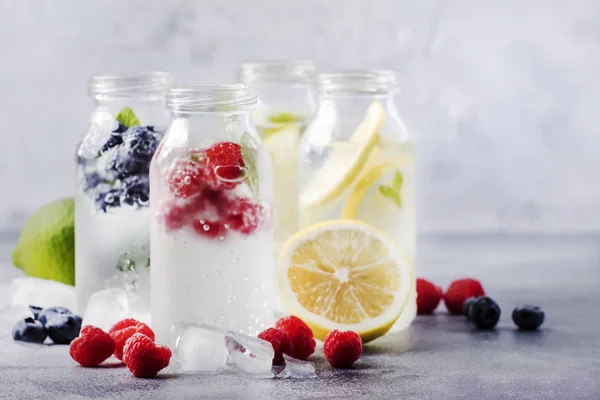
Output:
(144, 358)
(210, 229)
(184, 177)
(459, 291)
(223, 166)
(211, 204)
(280, 341)
(342, 349)
(428, 296)
(120, 336)
(245, 216)
(92, 347)
(122, 324)
(301, 336)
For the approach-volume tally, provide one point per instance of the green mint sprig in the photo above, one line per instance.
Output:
(392, 191)
(248, 147)
(127, 117)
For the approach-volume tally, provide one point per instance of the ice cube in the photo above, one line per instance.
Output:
(295, 369)
(101, 126)
(105, 308)
(200, 348)
(43, 293)
(250, 355)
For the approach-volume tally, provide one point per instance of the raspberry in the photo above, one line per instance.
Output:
(280, 341)
(92, 347)
(184, 178)
(224, 166)
(245, 216)
(301, 336)
(428, 296)
(459, 291)
(210, 229)
(144, 358)
(122, 324)
(120, 336)
(342, 349)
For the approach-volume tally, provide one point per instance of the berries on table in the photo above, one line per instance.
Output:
(428, 296)
(92, 347)
(484, 313)
(108, 200)
(29, 330)
(528, 317)
(223, 166)
(136, 190)
(301, 336)
(120, 333)
(467, 305)
(280, 341)
(459, 291)
(63, 328)
(50, 312)
(143, 357)
(342, 349)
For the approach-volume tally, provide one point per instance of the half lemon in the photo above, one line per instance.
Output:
(344, 275)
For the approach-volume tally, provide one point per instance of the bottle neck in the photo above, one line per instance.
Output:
(150, 111)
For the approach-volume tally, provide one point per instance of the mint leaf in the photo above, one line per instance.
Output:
(285, 118)
(127, 117)
(390, 193)
(397, 183)
(248, 145)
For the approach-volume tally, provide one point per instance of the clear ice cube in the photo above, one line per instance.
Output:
(295, 369)
(101, 126)
(41, 292)
(105, 308)
(200, 348)
(250, 355)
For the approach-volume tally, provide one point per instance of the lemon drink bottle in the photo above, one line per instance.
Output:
(357, 163)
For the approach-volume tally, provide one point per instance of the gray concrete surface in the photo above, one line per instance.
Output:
(441, 357)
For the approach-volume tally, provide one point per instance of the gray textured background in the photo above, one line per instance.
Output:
(502, 95)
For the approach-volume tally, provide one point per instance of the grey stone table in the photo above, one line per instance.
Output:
(440, 357)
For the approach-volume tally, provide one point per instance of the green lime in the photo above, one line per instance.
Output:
(46, 248)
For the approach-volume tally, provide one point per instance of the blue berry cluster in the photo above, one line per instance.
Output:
(57, 323)
(483, 313)
(124, 160)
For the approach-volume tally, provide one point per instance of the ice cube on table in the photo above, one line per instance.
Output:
(105, 308)
(250, 355)
(200, 348)
(42, 292)
(295, 369)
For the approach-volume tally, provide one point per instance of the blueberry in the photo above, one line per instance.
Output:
(63, 328)
(108, 200)
(142, 142)
(35, 310)
(92, 180)
(528, 317)
(48, 313)
(136, 190)
(113, 140)
(484, 313)
(29, 330)
(124, 164)
(467, 305)
(120, 129)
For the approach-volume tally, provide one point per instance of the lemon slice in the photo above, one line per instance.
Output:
(366, 181)
(345, 161)
(344, 275)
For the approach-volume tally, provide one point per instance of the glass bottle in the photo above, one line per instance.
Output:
(286, 102)
(357, 162)
(112, 219)
(211, 196)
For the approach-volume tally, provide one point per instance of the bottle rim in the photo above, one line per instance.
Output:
(367, 81)
(278, 71)
(148, 84)
(215, 98)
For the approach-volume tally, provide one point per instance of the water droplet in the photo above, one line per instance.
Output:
(218, 272)
(227, 226)
(246, 278)
(256, 320)
(206, 227)
(187, 180)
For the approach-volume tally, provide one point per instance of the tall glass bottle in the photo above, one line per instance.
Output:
(211, 200)
(357, 162)
(286, 102)
(112, 220)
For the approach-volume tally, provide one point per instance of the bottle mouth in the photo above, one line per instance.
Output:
(220, 98)
(146, 85)
(278, 71)
(359, 81)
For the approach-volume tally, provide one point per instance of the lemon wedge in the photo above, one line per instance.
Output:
(345, 161)
(344, 275)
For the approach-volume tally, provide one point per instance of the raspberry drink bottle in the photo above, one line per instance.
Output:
(112, 218)
(211, 197)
